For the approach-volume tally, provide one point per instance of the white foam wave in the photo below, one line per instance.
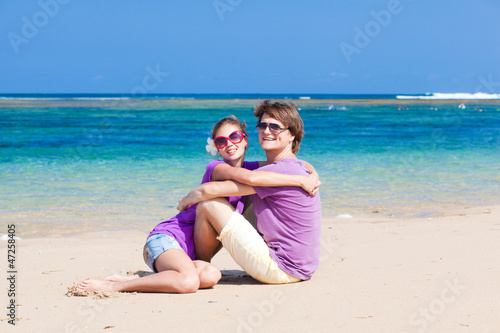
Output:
(478, 95)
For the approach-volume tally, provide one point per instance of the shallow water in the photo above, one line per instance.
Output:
(69, 165)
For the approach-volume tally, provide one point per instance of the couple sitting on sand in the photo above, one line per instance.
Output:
(284, 247)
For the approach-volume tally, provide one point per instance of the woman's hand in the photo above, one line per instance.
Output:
(311, 184)
(182, 204)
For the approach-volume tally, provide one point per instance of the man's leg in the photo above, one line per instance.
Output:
(211, 217)
(245, 245)
(249, 214)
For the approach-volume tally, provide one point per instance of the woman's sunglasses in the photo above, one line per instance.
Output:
(235, 137)
(274, 128)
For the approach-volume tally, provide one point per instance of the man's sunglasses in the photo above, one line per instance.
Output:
(235, 137)
(274, 128)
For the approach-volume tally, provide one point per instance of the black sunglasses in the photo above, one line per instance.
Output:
(274, 128)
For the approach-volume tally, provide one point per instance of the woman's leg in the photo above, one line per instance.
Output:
(118, 277)
(176, 273)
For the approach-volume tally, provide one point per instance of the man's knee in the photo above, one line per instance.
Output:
(210, 205)
(202, 207)
(216, 212)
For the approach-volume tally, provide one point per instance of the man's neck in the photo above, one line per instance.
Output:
(272, 157)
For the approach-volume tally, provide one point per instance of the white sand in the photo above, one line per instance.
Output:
(376, 275)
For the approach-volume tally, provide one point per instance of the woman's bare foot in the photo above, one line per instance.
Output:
(120, 278)
(97, 285)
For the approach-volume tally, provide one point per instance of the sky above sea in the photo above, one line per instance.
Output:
(222, 46)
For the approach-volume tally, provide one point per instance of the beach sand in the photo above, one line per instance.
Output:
(376, 275)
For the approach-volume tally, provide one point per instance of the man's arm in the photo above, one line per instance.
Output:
(213, 190)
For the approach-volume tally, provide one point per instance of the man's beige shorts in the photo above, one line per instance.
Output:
(250, 251)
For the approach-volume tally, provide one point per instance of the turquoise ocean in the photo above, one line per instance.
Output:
(72, 163)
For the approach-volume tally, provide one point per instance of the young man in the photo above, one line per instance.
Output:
(286, 245)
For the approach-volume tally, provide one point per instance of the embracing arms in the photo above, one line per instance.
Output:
(267, 178)
(243, 183)
(211, 190)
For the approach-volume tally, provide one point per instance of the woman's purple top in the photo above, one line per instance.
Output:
(181, 226)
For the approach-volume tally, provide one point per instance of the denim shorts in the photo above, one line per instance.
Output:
(157, 244)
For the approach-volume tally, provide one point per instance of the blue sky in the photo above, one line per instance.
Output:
(249, 46)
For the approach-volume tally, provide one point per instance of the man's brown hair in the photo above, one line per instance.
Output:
(287, 114)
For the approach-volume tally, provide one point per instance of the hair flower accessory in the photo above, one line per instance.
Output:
(210, 147)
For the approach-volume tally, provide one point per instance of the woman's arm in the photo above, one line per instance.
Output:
(310, 168)
(265, 178)
(314, 176)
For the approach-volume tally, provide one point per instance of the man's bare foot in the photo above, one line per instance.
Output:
(97, 285)
(120, 278)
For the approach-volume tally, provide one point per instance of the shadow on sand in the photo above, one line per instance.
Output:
(236, 277)
(229, 276)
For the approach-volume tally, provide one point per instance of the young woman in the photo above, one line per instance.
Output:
(169, 250)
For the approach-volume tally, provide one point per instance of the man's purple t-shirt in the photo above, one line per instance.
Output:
(289, 220)
(181, 226)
